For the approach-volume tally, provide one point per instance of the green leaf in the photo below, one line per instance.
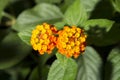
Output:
(25, 36)
(4, 75)
(35, 74)
(37, 15)
(103, 9)
(27, 20)
(101, 23)
(12, 51)
(39, 73)
(89, 4)
(44, 58)
(61, 58)
(24, 72)
(89, 65)
(13, 74)
(66, 4)
(112, 36)
(63, 69)
(3, 33)
(98, 30)
(75, 14)
(59, 25)
(116, 4)
(47, 1)
(3, 4)
(112, 69)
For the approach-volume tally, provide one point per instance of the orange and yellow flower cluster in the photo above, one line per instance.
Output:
(70, 41)
(43, 38)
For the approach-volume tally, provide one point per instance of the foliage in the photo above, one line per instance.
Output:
(99, 18)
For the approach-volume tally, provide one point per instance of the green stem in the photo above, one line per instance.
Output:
(8, 15)
(12, 18)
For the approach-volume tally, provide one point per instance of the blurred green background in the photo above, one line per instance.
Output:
(101, 18)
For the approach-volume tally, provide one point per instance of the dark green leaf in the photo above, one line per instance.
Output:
(47, 1)
(63, 69)
(89, 65)
(76, 14)
(116, 4)
(43, 58)
(3, 4)
(37, 15)
(39, 73)
(3, 33)
(113, 65)
(24, 72)
(4, 75)
(108, 38)
(12, 73)
(12, 51)
(35, 74)
(103, 9)
(112, 36)
(89, 5)
(98, 30)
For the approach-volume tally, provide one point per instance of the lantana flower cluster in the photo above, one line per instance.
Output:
(70, 41)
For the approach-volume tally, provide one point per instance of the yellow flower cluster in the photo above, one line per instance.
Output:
(43, 38)
(70, 41)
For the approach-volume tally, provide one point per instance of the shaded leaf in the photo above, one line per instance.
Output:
(98, 31)
(116, 4)
(48, 1)
(3, 33)
(89, 4)
(112, 69)
(3, 4)
(89, 65)
(13, 74)
(75, 14)
(39, 73)
(24, 72)
(63, 69)
(37, 15)
(4, 75)
(12, 51)
(103, 9)
(44, 58)
(112, 36)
